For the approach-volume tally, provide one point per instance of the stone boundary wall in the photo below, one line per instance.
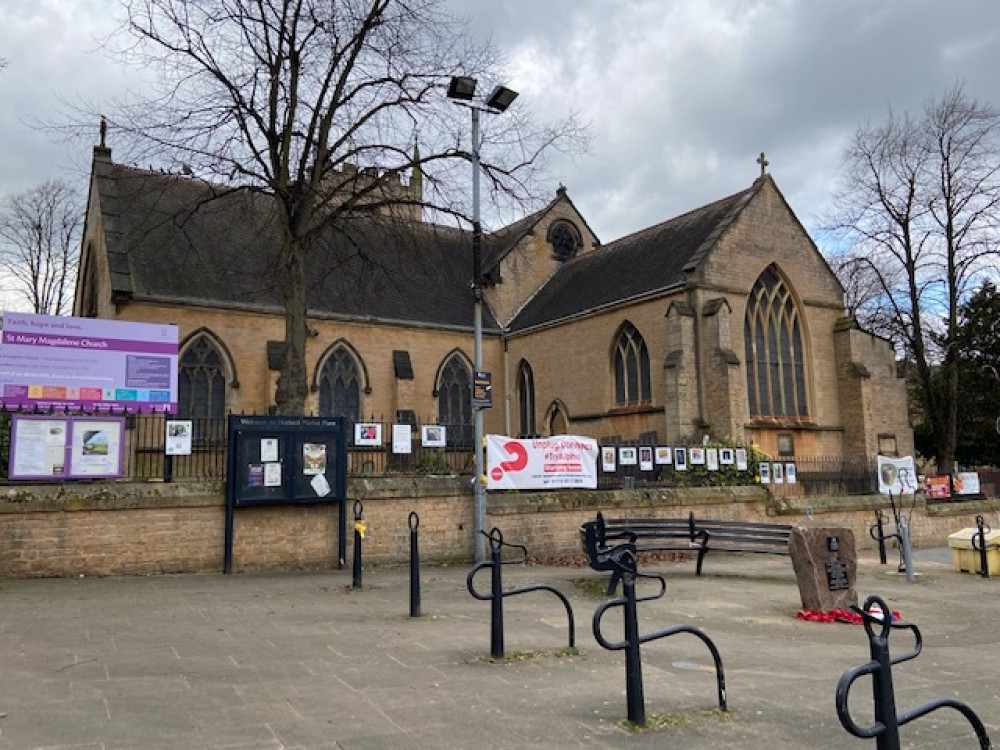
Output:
(152, 528)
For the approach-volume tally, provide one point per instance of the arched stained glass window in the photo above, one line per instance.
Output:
(631, 367)
(526, 399)
(455, 400)
(340, 386)
(775, 357)
(201, 381)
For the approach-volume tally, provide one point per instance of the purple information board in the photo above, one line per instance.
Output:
(87, 364)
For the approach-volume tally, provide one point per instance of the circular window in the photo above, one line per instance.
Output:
(565, 240)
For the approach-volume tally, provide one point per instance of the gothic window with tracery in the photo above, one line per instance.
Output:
(340, 386)
(455, 400)
(631, 367)
(775, 356)
(201, 381)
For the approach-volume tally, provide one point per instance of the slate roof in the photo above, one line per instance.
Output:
(180, 239)
(639, 265)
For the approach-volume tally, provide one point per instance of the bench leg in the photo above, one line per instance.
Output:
(701, 558)
(616, 576)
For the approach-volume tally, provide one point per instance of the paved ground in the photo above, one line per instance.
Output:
(303, 661)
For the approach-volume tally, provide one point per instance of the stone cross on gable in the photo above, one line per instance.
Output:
(762, 160)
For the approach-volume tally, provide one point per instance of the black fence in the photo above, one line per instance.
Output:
(433, 450)
(144, 449)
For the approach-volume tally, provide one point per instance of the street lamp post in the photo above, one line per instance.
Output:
(463, 89)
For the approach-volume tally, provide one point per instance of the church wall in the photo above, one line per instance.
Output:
(245, 335)
(867, 373)
(767, 232)
(572, 363)
(526, 268)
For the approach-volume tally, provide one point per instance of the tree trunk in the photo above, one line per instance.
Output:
(290, 395)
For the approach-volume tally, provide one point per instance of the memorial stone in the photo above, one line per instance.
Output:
(826, 563)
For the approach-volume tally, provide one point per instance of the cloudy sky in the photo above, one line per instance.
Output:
(681, 95)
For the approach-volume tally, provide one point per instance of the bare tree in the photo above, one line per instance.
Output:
(39, 236)
(920, 206)
(281, 95)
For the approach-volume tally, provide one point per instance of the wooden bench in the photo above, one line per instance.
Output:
(690, 534)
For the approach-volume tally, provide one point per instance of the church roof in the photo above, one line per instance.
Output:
(637, 266)
(177, 239)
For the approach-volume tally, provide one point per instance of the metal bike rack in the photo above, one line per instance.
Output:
(980, 544)
(877, 532)
(885, 730)
(623, 557)
(497, 594)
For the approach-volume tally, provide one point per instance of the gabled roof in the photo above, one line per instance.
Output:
(178, 239)
(639, 265)
(497, 245)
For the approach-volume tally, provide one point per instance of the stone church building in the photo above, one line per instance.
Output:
(725, 321)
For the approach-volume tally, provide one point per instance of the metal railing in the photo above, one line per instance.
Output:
(144, 458)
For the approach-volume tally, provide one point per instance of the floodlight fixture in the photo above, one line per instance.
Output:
(501, 98)
(462, 87)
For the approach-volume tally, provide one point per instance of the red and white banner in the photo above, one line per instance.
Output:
(541, 464)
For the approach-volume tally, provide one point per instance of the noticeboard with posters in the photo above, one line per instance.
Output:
(279, 460)
(64, 447)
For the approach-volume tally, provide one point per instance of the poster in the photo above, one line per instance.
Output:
(433, 436)
(664, 455)
(645, 458)
(727, 457)
(741, 459)
(313, 458)
(87, 364)
(402, 439)
(38, 447)
(712, 459)
(939, 487)
(697, 456)
(268, 449)
(966, 483)
(628, 456)
(272, 475)
(896, 476)
(368, 433)
(95, 447)
(543, 463)
(790, 474)
(608, 454)
(764, 471)
(777, 473)
(680, 459)
(178, 437)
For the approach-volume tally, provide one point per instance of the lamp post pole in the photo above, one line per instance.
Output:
(463, 89)
(479, 487)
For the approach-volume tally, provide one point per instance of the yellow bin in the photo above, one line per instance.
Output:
(967, 559)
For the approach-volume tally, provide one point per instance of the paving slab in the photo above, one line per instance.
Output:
(305, 662)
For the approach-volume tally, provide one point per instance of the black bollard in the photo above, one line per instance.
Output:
(414, 522)
(359, 534)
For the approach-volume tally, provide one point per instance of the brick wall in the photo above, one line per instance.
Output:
(148, 529)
